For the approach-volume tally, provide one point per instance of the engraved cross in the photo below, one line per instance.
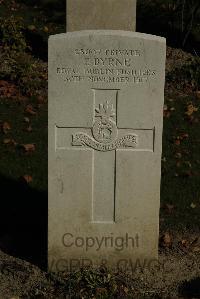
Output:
(105, 140)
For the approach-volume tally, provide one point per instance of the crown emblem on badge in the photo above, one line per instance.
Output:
(104, 128)
(105, 111)
(104, 131)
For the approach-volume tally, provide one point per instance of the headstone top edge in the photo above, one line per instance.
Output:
(122, 33)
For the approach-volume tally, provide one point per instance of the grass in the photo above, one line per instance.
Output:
(14, 161)
(180, 186)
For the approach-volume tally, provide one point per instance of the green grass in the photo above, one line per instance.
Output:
(180, 185)
(14, 161)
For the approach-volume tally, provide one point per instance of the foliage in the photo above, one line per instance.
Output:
(16, 64)
(186, 75)
(12, 36)
(177, 19)
(96, 283)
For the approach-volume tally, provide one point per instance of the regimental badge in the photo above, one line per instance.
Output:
(105, 132)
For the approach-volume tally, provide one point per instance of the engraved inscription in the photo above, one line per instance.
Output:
(105, 132)
(107, 66)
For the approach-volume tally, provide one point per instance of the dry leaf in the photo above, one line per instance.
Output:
(185, 243)
(178, 155)
(29, 109)
(198, 94)
(177, 142)
(126, 290)
(196, 249)
(27, 178)
(32, 27)
(166, 240)
(166, 114)
(40, 99)
(184, 135)
(169, 208)
(29, 129)
(190, 109)
(26, 119)
(46, 29)
(193, 206)
(9, 141)
(6, 127)
(29, 147)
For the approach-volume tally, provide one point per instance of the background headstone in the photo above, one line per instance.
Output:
(106, 94)
(101, 14)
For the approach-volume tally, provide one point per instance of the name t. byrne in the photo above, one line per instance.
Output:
(118, 242)
(108, 57)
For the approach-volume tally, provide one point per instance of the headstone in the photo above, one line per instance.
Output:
(106, 93)
(101, 14)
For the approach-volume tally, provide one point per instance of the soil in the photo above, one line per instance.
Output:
(176, 275)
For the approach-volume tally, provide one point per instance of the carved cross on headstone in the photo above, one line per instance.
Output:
(105, 139)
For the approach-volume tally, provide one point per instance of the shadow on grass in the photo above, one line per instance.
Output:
(190, 289)
(23, 222)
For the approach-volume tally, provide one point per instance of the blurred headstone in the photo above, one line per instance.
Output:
(101, 14)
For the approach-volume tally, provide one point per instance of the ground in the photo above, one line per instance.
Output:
(23, 172)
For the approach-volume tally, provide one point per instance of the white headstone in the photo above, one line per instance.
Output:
(106, 93)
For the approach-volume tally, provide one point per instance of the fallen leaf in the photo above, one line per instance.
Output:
(166, 240)
(29, 129)
(29, 147)
(193, 206)
(196, 249)
(198, 94)
(191, 109)
(177, 142)
(32, 27)
(166, 113)
(41, 99)
(26, 119)
(100, 291)
(195, 245)
(185, 243)
(46, 29)
(188, 164)
(9, 141)
(184, 135)
(169, 208)
(6, 127)
(27, 178)
(29, 109)
(178, 155)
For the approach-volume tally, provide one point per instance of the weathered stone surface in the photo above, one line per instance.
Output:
(106, 92)
(101, 14)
